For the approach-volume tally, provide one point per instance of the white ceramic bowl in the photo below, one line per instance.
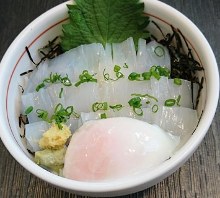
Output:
(45, 28)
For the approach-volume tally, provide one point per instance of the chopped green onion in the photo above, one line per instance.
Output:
(118, 74)
(117, 107)
(61, 92)
(106, 76)
(117, 68)
(99, 106)
(146, 75)
(155, 75)
(29, 110)
(42, 114)
(53, 78)
(178, 100)
(163, 71)
(170, 102)
(41, 85)
(159, 51)
(125, 65)
(66, 81)
(61, 115)
(136, 104)
(155, 108)
(85, 77)
(144, 96)
(134, 76)
(177, 81)
(138, 111)
(103, 116)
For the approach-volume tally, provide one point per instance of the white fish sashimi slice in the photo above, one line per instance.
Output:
(38, 100)
(82, 97)
(33, 133)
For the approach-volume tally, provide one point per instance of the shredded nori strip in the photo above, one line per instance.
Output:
(22, 89)
(22, 120)
(32, 153)
(49, 51)
(183, 64)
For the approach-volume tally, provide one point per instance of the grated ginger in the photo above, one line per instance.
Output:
(55, 138)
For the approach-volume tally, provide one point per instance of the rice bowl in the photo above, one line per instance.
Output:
(48, 30)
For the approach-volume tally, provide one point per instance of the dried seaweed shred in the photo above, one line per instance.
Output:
(49, 51)
(183, 64)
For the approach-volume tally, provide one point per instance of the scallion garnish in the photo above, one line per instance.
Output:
(158, 71)
(178, 100)
(41, 85)
(61, 92)
(54, 78)
(146, 75)
(117, 68)
(61, 115)
(144, 96)
(155, 108)
(66, 81)
(85, 77)
(159, 51)
(103, 116)
(99, 106)
(135, 103)
(118, 74)
(163, 71)
(177, 81)
(125, 65)
(43, 115)
(170, 102)
(134, 76)
(29, 110)
(117, 107)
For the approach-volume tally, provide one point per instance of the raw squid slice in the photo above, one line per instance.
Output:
(38, 100)
(37, 77)
(177, 120)
(125, 53)
(33, 133)
(116, 148)
(83, 97)
(146, 56)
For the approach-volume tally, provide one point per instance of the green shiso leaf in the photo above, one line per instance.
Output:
(104, 21)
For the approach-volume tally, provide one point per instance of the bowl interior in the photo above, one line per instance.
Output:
(46, 28)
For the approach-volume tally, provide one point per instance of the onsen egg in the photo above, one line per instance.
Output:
(114, 148)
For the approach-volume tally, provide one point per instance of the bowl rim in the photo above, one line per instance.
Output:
(163, 170)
